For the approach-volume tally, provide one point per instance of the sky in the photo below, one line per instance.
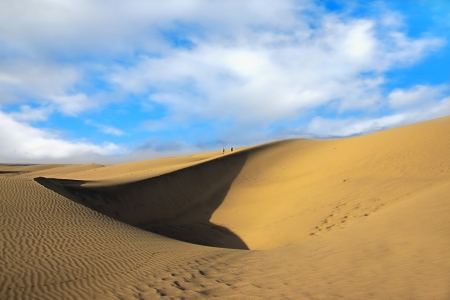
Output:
(110, 81)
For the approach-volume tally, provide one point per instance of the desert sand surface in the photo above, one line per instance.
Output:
(366, 217)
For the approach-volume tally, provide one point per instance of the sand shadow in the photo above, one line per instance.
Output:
(178, 205)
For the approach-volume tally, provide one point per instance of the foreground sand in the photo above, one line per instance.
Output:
(358, 218)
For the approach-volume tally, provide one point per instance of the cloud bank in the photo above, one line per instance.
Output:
(186, 75)
(21, 140)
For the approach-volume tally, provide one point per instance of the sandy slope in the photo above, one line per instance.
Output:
(358, 218)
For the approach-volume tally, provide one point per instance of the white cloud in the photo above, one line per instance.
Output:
(47, 84)
(45, 41)
(392, 19)
(36, 79)
(250, 64)
(345, 127)
(272, 58)
(97, 27)
(272, 74)
(320, 126)
(29, 114)
(111, 130)
(73, 104)
(22, 141)
(415, 95)
(108, 129)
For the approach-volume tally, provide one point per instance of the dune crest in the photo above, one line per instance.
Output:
(178, 204)
(275, 194)
(357, 218)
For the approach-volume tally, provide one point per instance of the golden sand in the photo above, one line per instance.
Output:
(358, 218)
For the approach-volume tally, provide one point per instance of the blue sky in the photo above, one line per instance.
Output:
(112, 81)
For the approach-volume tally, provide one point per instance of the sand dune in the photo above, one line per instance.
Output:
(357, 218)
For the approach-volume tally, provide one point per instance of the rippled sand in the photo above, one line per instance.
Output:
(357, 218)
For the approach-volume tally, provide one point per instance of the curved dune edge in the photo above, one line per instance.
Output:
(358, 218)
(178, 204)
(271, 195)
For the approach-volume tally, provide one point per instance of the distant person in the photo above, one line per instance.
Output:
(223, 150)
(231, 149)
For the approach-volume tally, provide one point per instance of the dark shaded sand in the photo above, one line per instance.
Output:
(358, 218)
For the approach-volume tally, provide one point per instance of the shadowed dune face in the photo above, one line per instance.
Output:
(271, 195)
(359, 218)
(178, 205)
